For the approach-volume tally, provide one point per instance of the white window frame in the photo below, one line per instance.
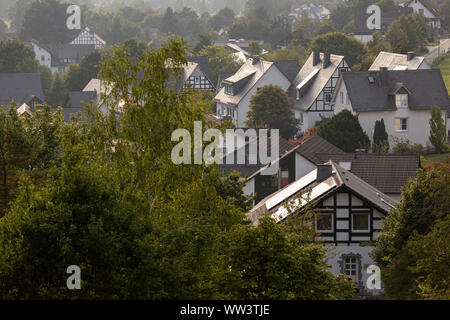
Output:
(399, 127)
(332, 222)
(368, 221)
(401, 100)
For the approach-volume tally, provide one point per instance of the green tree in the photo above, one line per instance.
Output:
(271, 107)
(380, 138)
(3, 27)
(36, 23)
(15, 154)
(407, 33)
(58, 93)
(78, 76)
(16, 57)
(438, 134)
(138, 225)
(444, 14)
(254, 48)
(46, 79)
(220, 60)
(339, 43)
(344, 131)
(425, 201)
(222, 19)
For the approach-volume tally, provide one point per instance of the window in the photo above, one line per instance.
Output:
(228, 89)
(360, 221)
(324, 222)
(301, 117)
(327, 97)
(351, 267)
(341, 94)
(42, 58)
(401, 100)
(421, 11)
(401, 124)
(284, 177)
(197, 80)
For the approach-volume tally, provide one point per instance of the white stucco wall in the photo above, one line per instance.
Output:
(271, 76)
(302, 166)
(363, 37)
(418, 127)
(43, 56)
(335, 256)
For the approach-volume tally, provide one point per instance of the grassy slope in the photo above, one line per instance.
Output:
(444, 66)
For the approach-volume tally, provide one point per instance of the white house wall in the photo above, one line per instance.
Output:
(417, 5)
(43, 56)
(418, 127)
(271, 76)
(302, 166)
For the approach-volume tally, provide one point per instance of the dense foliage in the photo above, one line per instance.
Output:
(139, 226)
(344, 131)
(412, 249)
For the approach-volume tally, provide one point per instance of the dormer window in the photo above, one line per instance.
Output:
(229, 89)
(401, 100)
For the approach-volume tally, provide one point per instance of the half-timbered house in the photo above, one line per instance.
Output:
(349, 217)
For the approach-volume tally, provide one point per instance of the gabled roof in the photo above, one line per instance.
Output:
(20, 87)
(203, 63)
(427, 5)
(340, 178)
(92, 33)
(392, 60)
(386, 172)
(290, 68)
(316, 144)
(220, 78)
(317, 83)
(74, 52)
(249, 74)
(426, 86)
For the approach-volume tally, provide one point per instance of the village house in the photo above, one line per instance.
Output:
(88, 36)
(25, 89)
(388, 13)
(313, 87)
(233, 100)
(398, 61)
(293, 161)
(58, 57)
(403, 99)
(425, 8)
(350, 215)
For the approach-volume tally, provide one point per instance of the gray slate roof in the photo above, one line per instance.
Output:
(386, 172)
(317, 84)
(391, 60)
(76, 101)
(20, 87)
(426, 86)
(203, 63)
(310, 147)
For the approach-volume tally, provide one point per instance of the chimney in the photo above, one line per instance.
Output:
(323, 172)
(316, 57)
(383, 75)
(410, 55)
(326, 60)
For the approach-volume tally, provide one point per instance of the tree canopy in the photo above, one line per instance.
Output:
(344, 131)
(271, 107)
(16, 57)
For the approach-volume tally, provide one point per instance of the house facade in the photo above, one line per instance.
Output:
(233, 99)
(313, 87)
(425, 8)
(87, 36)
(349, 217)
(57, 57)
(403, 99)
